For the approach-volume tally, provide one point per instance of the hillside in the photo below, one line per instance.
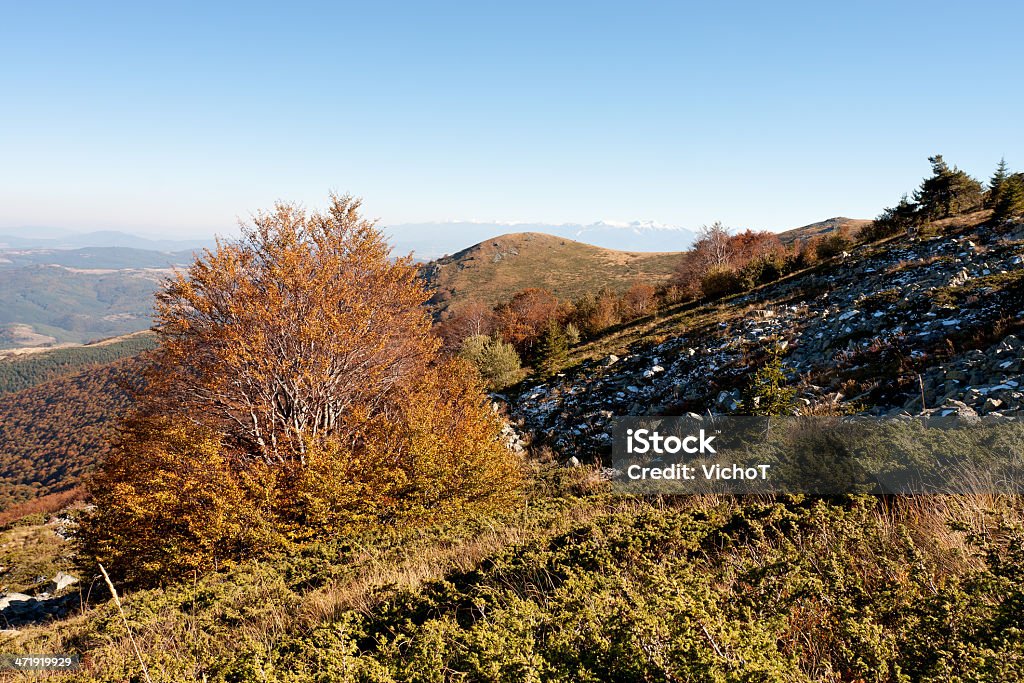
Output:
(23, 368)
(48, 305)
(492, 270)
(577, 583)
(824, 227)
(935, 316)
(51, 297)
(52, 433)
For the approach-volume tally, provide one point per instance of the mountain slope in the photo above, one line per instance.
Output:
(53, 433)
(46, 305)
(822, 228)
(493, 270)
(28, 367)
(893, 324)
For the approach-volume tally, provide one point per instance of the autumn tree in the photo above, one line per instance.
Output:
(525, 317)
(594, 312)
(639, 300)
(714, 265)
(282, 334)
(301, 353)
(472, 319)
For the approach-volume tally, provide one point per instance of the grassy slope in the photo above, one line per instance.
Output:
(493, 270)
(822, 228)
(579, 585)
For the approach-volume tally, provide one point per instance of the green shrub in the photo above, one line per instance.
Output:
(497, 361)
(762, 270)
(833, 244)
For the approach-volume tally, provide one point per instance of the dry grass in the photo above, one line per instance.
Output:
(363, 593)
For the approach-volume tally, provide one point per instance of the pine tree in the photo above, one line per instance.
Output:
(948, 192)
(1011, 199)
(996, 185)
(495, 360)
(767, 393)
(553, 350)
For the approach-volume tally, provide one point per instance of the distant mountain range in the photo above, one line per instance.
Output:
(426, 240)
(55, 238)
(54, 290)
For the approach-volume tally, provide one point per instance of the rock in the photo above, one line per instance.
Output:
(729, 400)
(12, 599)
(573, 462)
(992, 404)
(959, 409)
(612, 359)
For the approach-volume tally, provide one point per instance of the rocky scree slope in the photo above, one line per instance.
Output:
(865, 333)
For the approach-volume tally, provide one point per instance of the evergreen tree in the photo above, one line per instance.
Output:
(496, 360)
(892, 220)
(1011, 199)
(553, 350)
(948, 192)
(996, 184)
(572, 334)
(767, 393)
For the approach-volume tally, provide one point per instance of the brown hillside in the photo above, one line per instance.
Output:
(493, 270)
(822, 228)
(53, 433)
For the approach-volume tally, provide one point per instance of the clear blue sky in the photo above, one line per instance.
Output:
(176, 118)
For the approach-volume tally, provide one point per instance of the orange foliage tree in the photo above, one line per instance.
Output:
(279, 336)
(297, 389)
(523, 319)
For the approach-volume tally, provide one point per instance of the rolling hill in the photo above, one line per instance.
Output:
(52, 297)
(822, 228)
(27, 367)
(494, 269)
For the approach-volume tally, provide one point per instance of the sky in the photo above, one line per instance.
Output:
(179, 119)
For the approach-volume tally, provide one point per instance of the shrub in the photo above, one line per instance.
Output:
(767, 393)
(892, 220)
(764, 269)
(833, 244)
(720, 281)
(496, 361)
